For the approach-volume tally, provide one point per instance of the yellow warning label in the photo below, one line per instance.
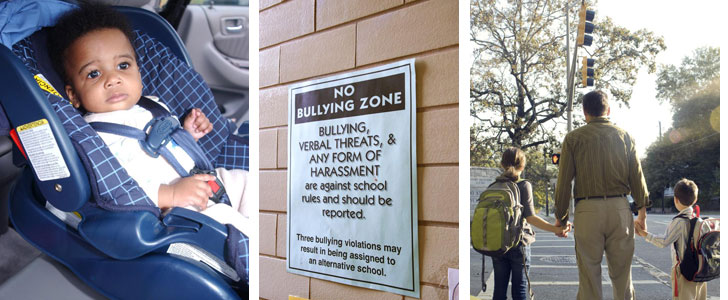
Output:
(43, 83)
(43, 151)
(32, 125)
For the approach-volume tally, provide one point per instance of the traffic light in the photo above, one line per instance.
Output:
(555, 158)
(587, 72)
(583, 36)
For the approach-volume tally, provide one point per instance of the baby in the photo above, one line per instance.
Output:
(91, 49)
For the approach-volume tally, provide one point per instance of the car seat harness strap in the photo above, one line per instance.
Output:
(157, 134)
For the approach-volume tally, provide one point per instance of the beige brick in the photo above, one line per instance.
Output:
(428, 292)
(281, 235)
(273, 189)
(324, 289)
(286, 21)
(437, 189)
(276, 283)
(437, 136)
(268, 3)
(267, 233)
(283, 147)
(437, 78)
(273, 107)
(413, 29)
(269, 66)
(334, 12)
(268, 145)
(438, 251)
(318, 54)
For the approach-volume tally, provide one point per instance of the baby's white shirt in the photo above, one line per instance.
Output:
(149, 172)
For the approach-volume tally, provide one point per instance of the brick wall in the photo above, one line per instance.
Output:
(306, 39)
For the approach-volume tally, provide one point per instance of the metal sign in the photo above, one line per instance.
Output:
(352, 179)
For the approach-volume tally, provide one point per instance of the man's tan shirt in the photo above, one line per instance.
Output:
(602, 160)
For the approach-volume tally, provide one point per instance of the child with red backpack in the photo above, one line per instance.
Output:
(688, 274)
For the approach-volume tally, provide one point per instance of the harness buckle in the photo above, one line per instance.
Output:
(218, 190)
(159, 133)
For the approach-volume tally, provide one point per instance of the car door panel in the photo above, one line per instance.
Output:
(218, 43)
(217, 53)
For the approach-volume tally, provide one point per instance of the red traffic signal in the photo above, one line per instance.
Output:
(555, 158)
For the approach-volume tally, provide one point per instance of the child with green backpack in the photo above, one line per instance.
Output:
(501, 227)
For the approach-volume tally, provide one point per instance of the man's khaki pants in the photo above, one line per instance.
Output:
(604, 225)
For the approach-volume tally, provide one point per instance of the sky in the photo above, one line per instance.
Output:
(685, 26)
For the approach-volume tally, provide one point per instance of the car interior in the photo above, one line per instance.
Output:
(42, 245)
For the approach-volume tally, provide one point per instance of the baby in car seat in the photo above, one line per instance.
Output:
(91, 49)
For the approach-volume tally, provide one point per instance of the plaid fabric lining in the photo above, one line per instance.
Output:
(237, 251)
(182, 89)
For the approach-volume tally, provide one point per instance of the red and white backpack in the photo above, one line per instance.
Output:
(701, 258)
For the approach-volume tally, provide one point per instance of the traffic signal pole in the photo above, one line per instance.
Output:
(571, 71)
(568, 74)
(570, 90)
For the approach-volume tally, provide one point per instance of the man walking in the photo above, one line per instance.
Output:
(602, 160)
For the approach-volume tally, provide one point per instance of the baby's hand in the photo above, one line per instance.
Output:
(192, 191)
(197, 124)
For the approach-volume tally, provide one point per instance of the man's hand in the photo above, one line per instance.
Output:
(639, 230)
(565, 229)
(197, 124)
(192, 191)
(641, 219)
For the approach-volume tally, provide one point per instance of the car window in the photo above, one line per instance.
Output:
(222, 2)
(162, 3)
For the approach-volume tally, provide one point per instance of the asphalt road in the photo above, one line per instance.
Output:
(554, 274)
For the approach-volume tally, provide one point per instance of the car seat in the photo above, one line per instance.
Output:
(75, 202)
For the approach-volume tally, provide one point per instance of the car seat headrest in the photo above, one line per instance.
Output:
(39, 42)
(21, 18)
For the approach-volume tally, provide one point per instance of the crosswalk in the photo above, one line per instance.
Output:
(554, 274)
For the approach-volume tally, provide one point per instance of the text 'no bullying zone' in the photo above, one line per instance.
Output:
(355, 99)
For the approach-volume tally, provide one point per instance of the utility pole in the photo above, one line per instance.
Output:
(582, 39)
(659, 139)
(568, 72)
(545, 168)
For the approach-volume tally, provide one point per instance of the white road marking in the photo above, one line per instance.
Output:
(553, 246)
(561, 240)
(569, 266)
(654, 271)
(603, 282)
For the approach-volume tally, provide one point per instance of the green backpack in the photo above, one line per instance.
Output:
(497, 222)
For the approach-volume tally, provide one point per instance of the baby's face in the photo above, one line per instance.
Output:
(103, 72)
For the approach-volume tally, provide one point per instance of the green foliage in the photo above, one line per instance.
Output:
(539, 172)
(691, 149)
(517, 82)
(676, 84)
